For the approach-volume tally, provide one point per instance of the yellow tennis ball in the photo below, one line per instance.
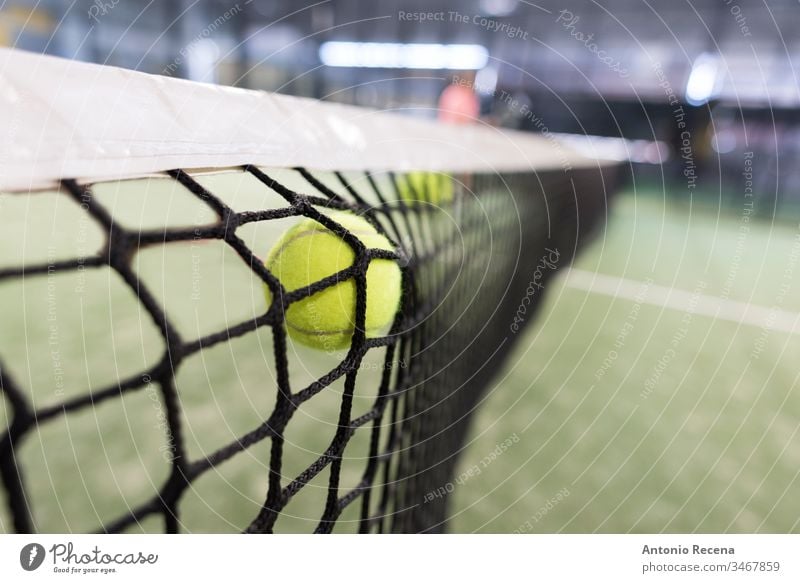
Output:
(429, 187)
(309, 252)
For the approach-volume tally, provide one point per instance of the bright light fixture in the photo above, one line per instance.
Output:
(703, 79)
(403, 56)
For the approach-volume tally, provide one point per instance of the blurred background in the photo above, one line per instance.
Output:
(659, 389)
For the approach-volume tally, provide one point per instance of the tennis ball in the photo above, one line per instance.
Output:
(430, 187)
(309, 252)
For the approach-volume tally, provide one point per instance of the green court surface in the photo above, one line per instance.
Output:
(644, 412)
(614, 413)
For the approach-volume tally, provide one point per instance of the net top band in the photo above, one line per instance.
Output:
(68, 119)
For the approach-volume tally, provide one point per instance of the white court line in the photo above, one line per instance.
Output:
(676, 299)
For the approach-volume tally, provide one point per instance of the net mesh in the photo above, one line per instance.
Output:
(469, 288)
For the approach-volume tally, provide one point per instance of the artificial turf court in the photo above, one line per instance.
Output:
(628, 407)
(693, 424)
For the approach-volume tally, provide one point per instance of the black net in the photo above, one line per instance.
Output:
(472, 278)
